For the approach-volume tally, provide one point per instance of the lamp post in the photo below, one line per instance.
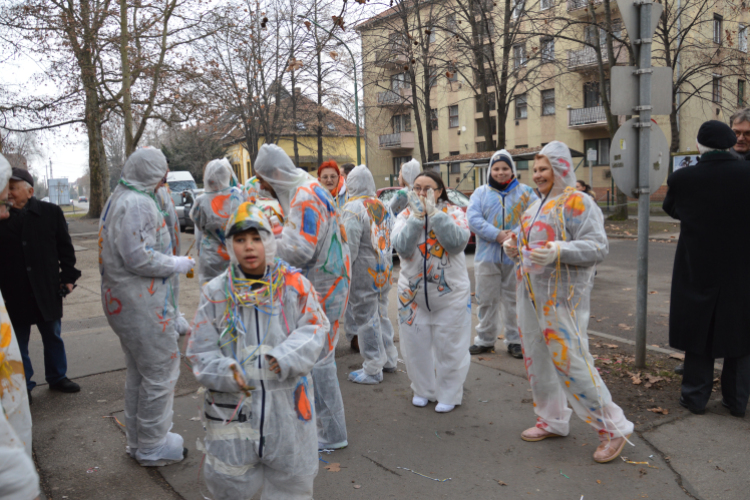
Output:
(356, 100)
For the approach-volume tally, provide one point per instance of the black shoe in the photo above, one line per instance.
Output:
(691, 410)
(731, 411)
(65, 385)
(679, 369)
(30, 400)
(479, 349)
(515, 351)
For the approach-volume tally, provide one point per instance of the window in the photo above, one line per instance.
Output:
(518, 8)
(301, 126)
(482, 132)
(451, 22)
(490, 102)
(716, 89)
(397, 162)
(453, 116)
(718, 21)
(742, 38)
(548, 102)
(331, 127)
(396, 41)
(591, 95)
(434, 157)
(548, 49)
(740, 93)
(481, 147)
(455, 167)
(521, 106)
(401, 123)
(433, 76)
(601, 146)
(489, 77)
(400, 81)
(522, 165)
(591, 34)
(434, 119)
(430, 35)
(486, 29)
(545, 4)
(452, 73)
(519, 56)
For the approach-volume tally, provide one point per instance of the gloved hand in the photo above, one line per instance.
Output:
(429, 203)
(510, 246)
(547, 255)
(416, 205)
(183, 264)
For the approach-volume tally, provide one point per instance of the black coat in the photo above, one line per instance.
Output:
(709, 311)
(35, 246)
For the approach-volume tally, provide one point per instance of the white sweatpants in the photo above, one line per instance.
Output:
(277, 485)
(496, 295)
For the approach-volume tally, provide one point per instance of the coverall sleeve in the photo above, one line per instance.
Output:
(477, 222)
(18, 477)
(452, 230)
(210, 367)
(299, 352)
(398, 202)
(136, 240)
(353, 226)
(65, 252)
(670, 203)
(585, 221)
(297, 245)
(406, 233)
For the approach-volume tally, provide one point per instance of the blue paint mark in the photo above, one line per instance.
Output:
(325, 198)
(310, 222)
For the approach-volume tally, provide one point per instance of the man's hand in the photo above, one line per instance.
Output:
(69, 286)
(502, 236)
(273, 364)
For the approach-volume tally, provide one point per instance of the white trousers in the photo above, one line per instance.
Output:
(277, 485)
(496, 296)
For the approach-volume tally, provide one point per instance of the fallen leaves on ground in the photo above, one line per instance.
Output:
(611, 346)
(677, 355)
(502, 483)
(659, 409)
(651, 380)
(334, 467)
(623, 326)
(636, 378)
(653, 292)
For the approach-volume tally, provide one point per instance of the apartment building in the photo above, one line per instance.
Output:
(559, 99)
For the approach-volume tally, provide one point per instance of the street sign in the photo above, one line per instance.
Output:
(631, 19)
(623, 158)
(591, 155)
(625, 95)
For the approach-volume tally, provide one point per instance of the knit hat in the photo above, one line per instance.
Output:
(716, 135)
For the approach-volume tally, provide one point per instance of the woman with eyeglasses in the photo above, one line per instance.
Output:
(559, 243)
(330, 177)
(433, 291)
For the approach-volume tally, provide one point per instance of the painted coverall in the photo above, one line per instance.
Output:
(314, 240)
(255, 195)
(267, 439)
(491, 211)
(434, 313)
(409, 172)
(368, 228)
(554, 306)
(166, 204)
(210, 214)
(138, 282)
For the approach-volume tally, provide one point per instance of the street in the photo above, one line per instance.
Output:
(80, 449)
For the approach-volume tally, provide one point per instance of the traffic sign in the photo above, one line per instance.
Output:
(591, 155)
(623, 158)
(625, 85)
(631, 19)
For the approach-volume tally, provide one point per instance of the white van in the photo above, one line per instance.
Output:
(180, 180)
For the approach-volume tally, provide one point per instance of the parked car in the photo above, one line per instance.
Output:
(180, 180)
(45, 199)
(83, 199)
(455, 196)
(183, 202)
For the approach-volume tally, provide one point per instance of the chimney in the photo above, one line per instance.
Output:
(297, 91)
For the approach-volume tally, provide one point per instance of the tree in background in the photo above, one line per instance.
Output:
(190, 148)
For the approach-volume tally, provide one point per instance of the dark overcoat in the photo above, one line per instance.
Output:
(709, 311)
(37, 248)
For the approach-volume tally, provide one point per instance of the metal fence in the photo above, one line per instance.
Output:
(585, 116)
(390, 140)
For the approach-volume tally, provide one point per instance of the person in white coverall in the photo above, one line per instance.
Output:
(559, 243)
(368, 227)
(18, 477)
(313, 239)
(210, 214)
(258, 331)
(138, 272)
(434, 312)
(406, 176)
(494, 213)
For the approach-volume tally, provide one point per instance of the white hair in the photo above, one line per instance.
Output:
(26, 184)
(705, 149)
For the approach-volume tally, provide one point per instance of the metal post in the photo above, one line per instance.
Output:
(591, 174)
(356, 100)
(644, 153)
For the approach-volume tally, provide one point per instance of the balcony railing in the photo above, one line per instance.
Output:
(586, 57)
(399, 140)
(394, 98)
(586, 116)
(580, 4)
(389, 58)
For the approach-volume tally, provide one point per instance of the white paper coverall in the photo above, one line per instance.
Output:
(553, 306)
(267, 439)
(490, 212)
(314, 240)
(409, 172)
(210, 214)
(434, 303)
(138, 281)
(166, 204)
(368, 228)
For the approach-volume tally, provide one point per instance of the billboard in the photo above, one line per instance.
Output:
(59, 191)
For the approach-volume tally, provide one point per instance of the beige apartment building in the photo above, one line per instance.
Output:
(561, 100)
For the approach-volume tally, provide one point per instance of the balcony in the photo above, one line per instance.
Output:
(390, 58)
(580, 7)
(395, 99)
(399, 140)
(584, 118)
(584, 59)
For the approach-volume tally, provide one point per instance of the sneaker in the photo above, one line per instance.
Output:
(534, 434)
(609, 450)
(479, 349)
(335, 446)
(389, 370)
(515, 351)
(65, 385)
(419, 401)
(441, 408)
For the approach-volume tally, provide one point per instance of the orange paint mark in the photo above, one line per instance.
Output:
(302, 404)
(5, 335)
(217, 205)
(222, 251)
(575, 204)
(151, 288)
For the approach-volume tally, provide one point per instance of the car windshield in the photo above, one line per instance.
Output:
(386, 195)
(458, 198)
(178, 186)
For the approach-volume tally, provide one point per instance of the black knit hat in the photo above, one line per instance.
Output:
(716, 135)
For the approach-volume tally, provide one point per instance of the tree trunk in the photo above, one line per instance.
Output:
(127, 108)
(501, 90)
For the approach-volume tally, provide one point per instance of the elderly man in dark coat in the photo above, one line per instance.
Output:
(709, 313)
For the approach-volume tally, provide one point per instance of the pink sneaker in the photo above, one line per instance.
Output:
(610, 449)
(534, 434)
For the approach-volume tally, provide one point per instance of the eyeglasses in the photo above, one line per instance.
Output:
(423, 190)
(740, 133)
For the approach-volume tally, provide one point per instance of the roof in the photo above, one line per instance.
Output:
(383, 15)
(482, 157)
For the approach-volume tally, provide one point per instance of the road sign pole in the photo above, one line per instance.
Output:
(644, 153)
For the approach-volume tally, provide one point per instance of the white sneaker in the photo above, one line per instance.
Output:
(419, 401)
(441, 408)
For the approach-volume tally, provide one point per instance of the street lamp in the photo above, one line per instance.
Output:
(356, 100)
